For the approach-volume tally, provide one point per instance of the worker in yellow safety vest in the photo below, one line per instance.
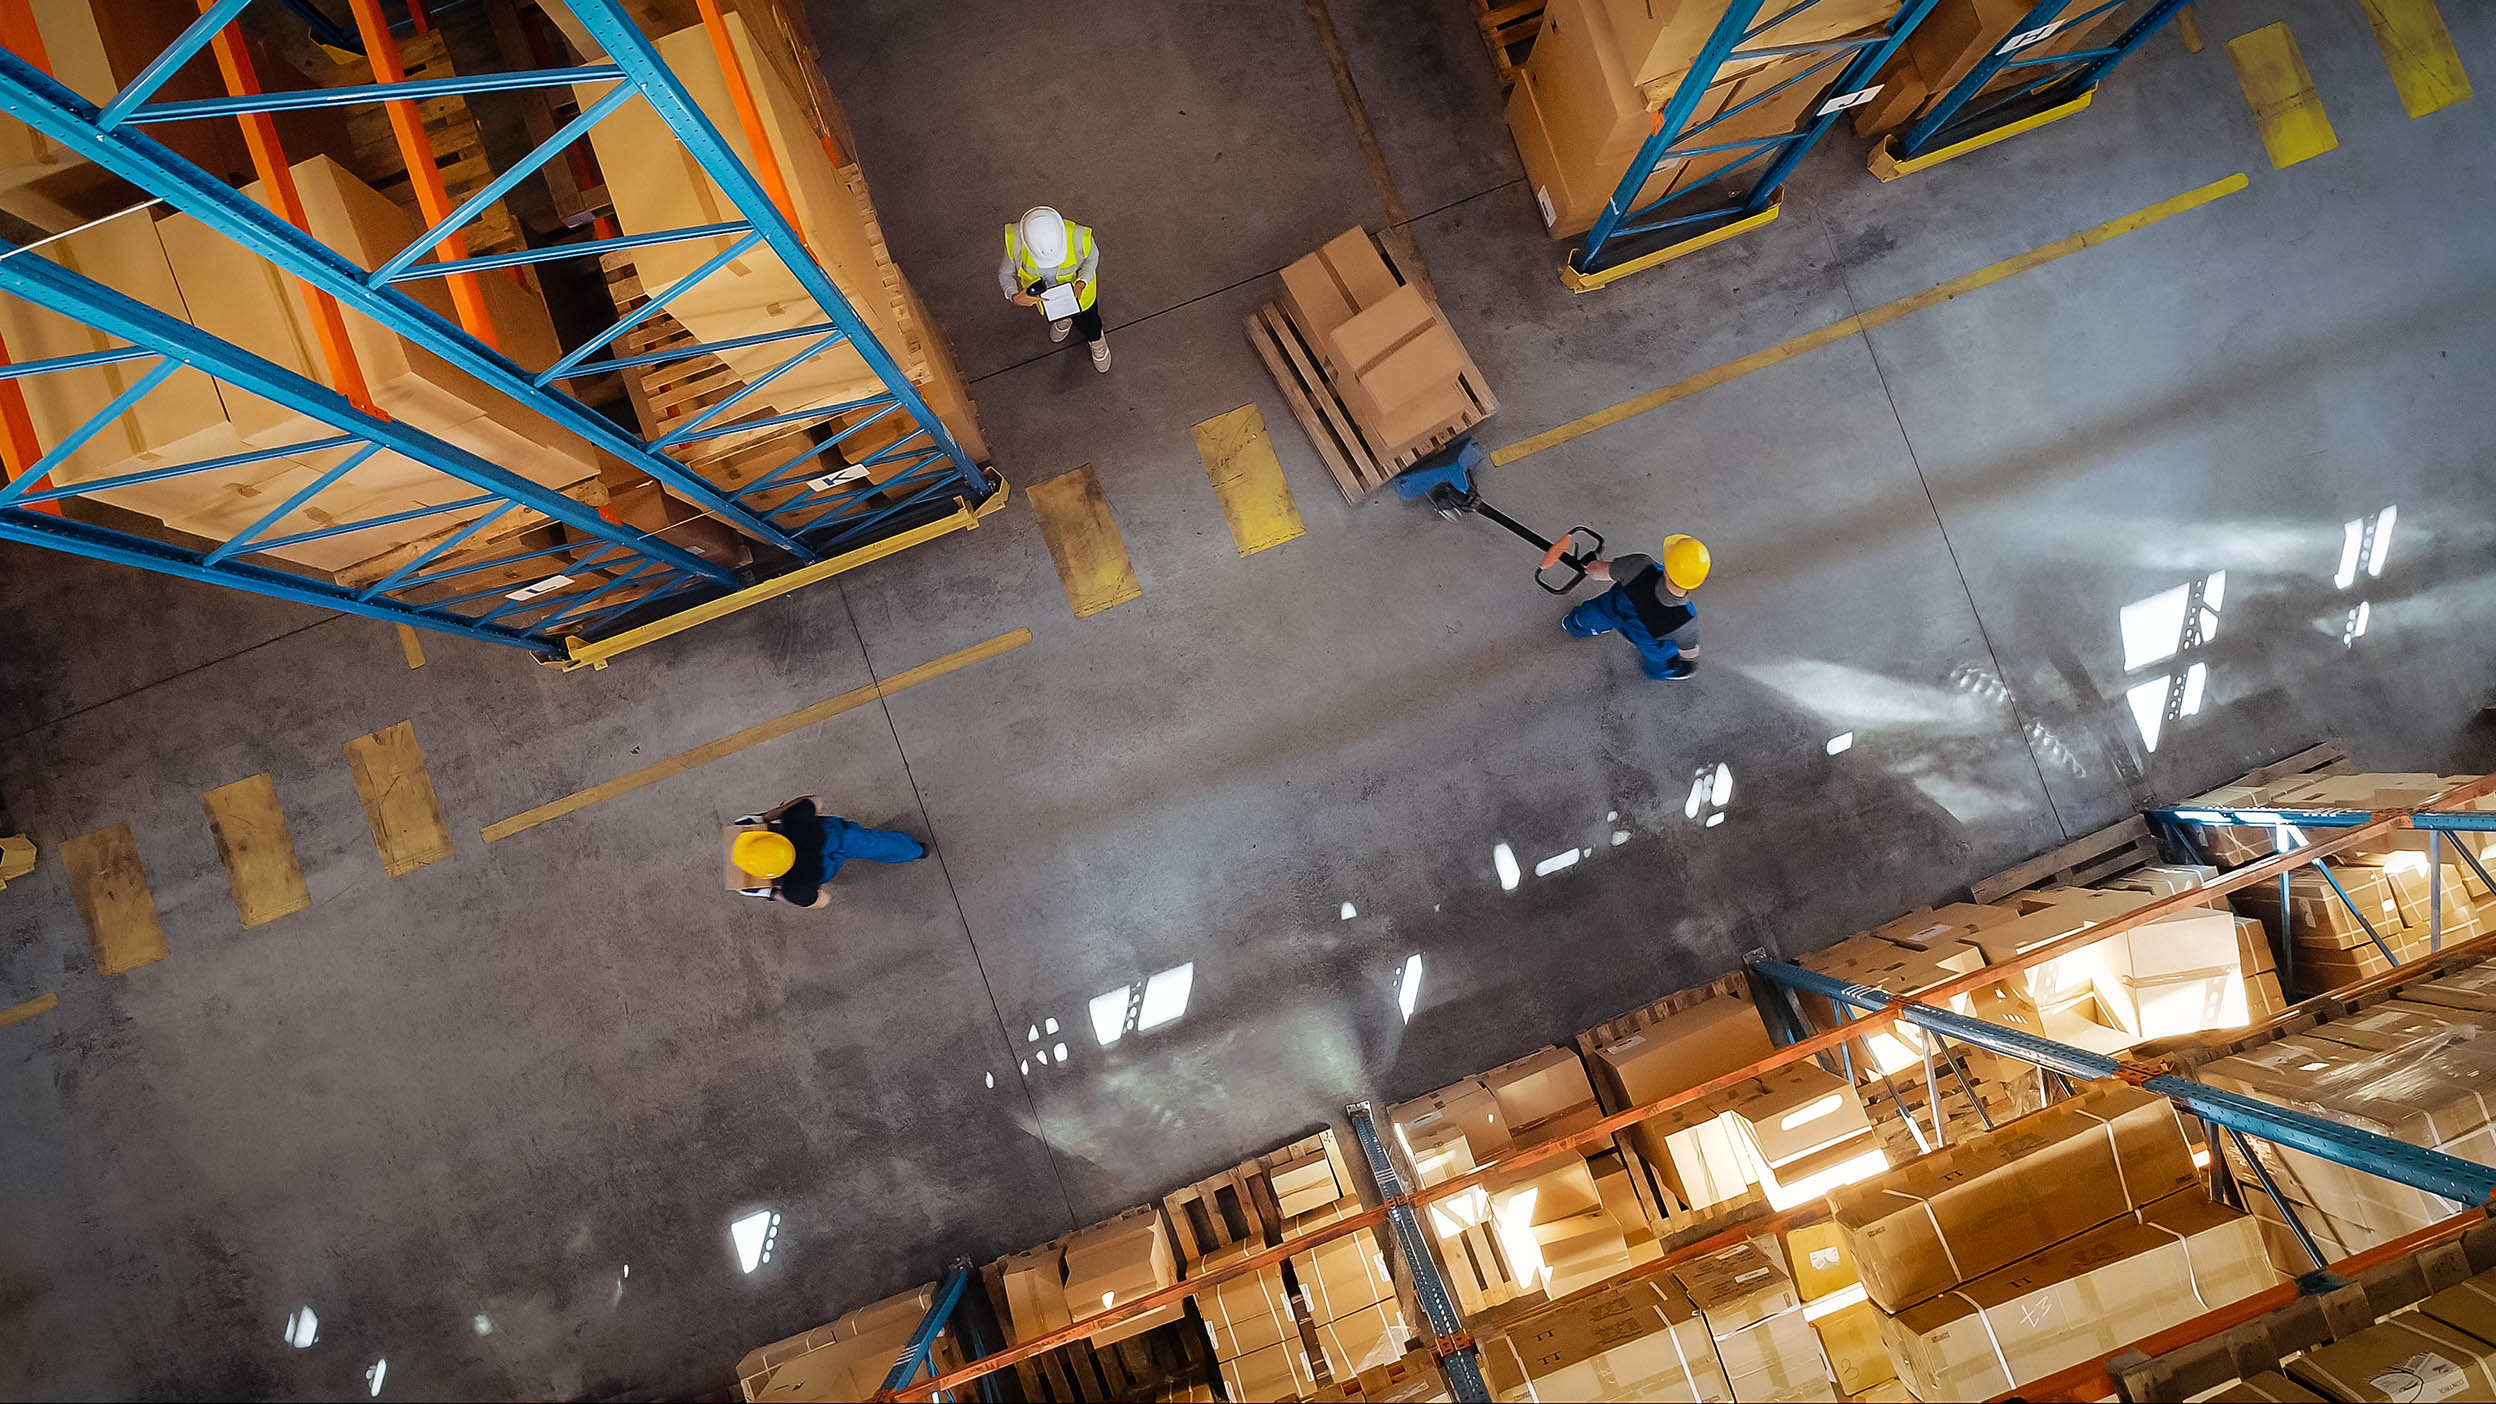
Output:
(1052, 263)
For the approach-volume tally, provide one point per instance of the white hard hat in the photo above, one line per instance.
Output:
(1044, 234)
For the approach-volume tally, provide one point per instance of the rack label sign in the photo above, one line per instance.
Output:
(530, 592)
(2027, 37)
(1857, 98)
(830, 481)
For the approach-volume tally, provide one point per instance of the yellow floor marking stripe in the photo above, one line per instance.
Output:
(2188, 28)
(412, 644)
(1091, 557)
(1885, 313)
(2419, 53)
(258, 850)
(1239, 458)
(21, 1012)
(399, 803)
(109, 884)
(756, 735)
(2281, 93)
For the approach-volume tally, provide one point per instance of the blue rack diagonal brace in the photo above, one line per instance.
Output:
(1459, 1359)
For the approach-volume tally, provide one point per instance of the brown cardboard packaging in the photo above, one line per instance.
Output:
(1569, 185)
(1248, 1313)
(1035, 1292)
(650, 507)
(1306, 1184)
(1278, 1372)
(1118, 1261)
(1342, 1276)
(1796, 1110)
(2469, 1305)
(1957, 34)
(2408, 1357)
(1816, 1258)
(2397, 1026)
(1639, 1340)
(1466, 1109)
(1365, 1339)
(1323, 290)
(2268, 1387)
(1777, 1359)
(2084, 1297)
(1681, 1051)
(2253, 946)
(1961, 1212)
(1589, 97)
(1941, 928)
(1543, 1095)
(1736, 1287)
(1851, 1337)
(1660, 38)
(1808, 1177)
(1403, 363)
(1775, 111)
(2472, 988)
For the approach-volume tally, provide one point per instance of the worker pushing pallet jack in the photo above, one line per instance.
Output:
(1649, 602)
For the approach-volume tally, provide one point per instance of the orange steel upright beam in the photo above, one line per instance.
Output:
(268, 160)
(740, 93)
(19, 448)
(424, 171)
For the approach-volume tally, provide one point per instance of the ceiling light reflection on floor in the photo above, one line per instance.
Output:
(1841, 743)
(375, 1373)
(1504, 858)
(1565, 858)
(755, 1235)
(1165, 996)
(1408, 987)
(303, 1327)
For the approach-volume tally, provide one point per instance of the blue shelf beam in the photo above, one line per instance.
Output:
(117, 137)
(1459, 1359)
(1846, 72)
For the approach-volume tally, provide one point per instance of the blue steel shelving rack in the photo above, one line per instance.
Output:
(820, 522)
(2227, 1116)
(1629, 236)
(2054, 86)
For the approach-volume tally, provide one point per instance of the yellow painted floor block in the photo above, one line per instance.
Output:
(1239, 459)
(1091, 556)
(399, 803)
(110, 887)
(2281, 93)
(2419, 52)
(258, 849)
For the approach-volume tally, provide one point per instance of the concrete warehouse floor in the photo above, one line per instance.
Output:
(491, 1119)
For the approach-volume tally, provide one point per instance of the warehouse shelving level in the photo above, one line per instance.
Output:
(604, 584)
(2226, 1116)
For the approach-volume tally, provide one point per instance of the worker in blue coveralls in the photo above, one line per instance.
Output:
(790, 854)
(1649, 603)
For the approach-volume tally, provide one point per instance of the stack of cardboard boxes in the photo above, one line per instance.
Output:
(1953, 38)
(2418, 1068)
(1756, 1326)
(1601, 70)
(1383, 349)
(1634, 1340)
(847, 1359)
(2444, 1349)
(2063, 1235)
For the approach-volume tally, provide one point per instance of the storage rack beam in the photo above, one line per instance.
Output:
(1968, 116)
(821, 518)
(1630, 235)
(1503, 1167)
(1459, 1359)
(939, 1313)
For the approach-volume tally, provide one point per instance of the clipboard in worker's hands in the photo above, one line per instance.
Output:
(1060, 302)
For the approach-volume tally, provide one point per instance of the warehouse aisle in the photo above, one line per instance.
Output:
(1346, 817)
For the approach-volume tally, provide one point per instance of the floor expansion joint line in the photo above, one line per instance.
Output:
(1932, 504)
(757, 734)
(1857, 325)
(969, 938)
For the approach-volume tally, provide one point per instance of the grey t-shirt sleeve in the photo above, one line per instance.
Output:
(1005, 277)
(1628, 568)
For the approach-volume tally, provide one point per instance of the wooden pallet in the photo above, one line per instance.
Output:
(1237, 1207)
(458, 146)
(1355, 464)
(2329, 758)
(2107, 853)
(1647, 1016)
(1508, 31)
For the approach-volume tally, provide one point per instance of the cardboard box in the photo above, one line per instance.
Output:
(1778, 1359)
(1769, 102)
(1568, 185)
(2087, 1296)
(1620, 1200)
(1589, 95)
(1660, 38)
(1697, 1154)
(1816, 1258)
(2469, 1305)
(1367, 1339)
(1393, 354)
(2399, 1027)
(2408, 1357)
(1736, 1287)
(1325, 289)
(1942, 1219)
(1941, 928)
(2268, 1387)
(1342, 1276)
(2472, 988)
(1117, 1261)
(1307, 1184)
(1035, 1292)
(1680, 1051)
(1466, 1109)
(1957, 34)
(1796, 1110)
(1554, 1231)
(1543, 1095)
(1278, 1372)
(1851, 1338)
(1812, 1176)
(1639, 1340)
(1246, 1314)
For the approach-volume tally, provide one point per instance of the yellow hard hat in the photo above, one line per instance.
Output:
(763, 853)
(1685, 561)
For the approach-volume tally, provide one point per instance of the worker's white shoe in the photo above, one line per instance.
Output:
(1059, 328)
(1100, 355)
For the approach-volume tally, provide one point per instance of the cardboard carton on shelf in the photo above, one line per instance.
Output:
(1660, 38)
(1925, 1226)
(1851, 1338)
(1245, 1314)
(1570, 183)
(1466, 1110)
(1816, 1258)
(1117, 1261)
(2087, 1296)
(1367, 1339)
(1779, 1359)
(1543, 1095)
(1343, 1275)
(1772, 100)
(1554, 1230)
(2406, 1357)
(846, 1359)
(1278, 1372)
(2267, 1387)
(1955, 36)
(1678, 1051)
(1586, 87)
(1034, 1284)
(1792, 1111)
(1642, 1340)
(1736, 1287)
